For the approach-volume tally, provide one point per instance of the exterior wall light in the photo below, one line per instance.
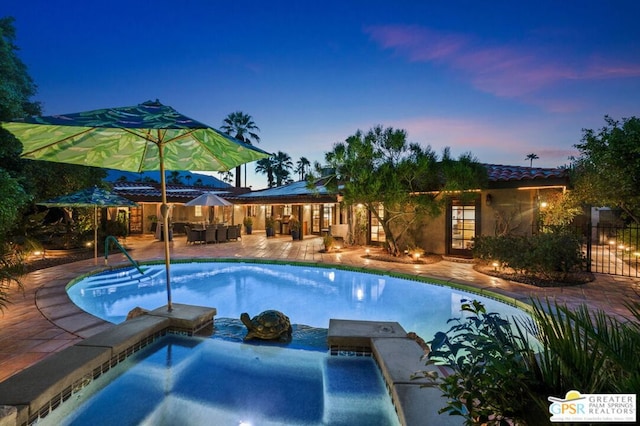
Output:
(488, 200)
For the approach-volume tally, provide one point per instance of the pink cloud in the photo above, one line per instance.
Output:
(496, 143)
(417, 43)
(504, 71)
(600, 68)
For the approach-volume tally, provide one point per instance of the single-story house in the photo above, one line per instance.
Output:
(509, 204)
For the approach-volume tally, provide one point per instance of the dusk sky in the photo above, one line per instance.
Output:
(499, 79)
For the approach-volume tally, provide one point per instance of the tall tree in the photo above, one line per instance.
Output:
(302, 168)
(226, 177)
(242, 127)
(282, 166)
(16, 89)
(265, 166)
(531, 157)
(35, 177)
(382, 168)
(607, 171)
(174, 177)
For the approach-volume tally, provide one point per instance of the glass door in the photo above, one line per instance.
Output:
(462, 228)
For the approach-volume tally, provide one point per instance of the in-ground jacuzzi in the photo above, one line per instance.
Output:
(224, 381)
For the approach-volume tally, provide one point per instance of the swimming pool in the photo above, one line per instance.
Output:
(309, 295)
(223, 381)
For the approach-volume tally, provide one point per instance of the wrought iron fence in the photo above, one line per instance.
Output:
(614, 249)
(609, 249)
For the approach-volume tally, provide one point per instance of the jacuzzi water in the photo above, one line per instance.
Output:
(223, 381)
(197, 381)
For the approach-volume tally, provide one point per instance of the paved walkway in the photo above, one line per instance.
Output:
(42, 320)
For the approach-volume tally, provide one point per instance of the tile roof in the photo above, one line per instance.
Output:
(293, 189)
(500, 173)
(142, 191)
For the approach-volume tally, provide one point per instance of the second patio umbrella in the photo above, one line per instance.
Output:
(148, 136)
(91, 197)
(209, 199)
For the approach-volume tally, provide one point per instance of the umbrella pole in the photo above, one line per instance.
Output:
(95, 235)
(164, 210)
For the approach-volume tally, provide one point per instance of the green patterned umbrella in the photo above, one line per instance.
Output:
(91, 197)
(149, 136)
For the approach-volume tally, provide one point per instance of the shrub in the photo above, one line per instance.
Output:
(551, 255)
(488, 375)
(501, 375)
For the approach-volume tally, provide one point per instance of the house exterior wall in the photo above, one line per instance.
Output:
(511, 211)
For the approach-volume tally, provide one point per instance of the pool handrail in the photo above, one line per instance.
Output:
(122, 249)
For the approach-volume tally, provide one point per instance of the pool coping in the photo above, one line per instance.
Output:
(32, 393)
(399, 358)
(50, 298)
(26, 397)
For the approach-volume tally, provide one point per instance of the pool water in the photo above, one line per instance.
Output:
(307, 295)
(225, 381)
(199, 381)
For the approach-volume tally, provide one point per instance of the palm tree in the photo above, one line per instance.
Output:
(174, 177)
(302, 166)
(242, 127)
(282, 168)
(226, 177)
(265, 166)
(531, 157)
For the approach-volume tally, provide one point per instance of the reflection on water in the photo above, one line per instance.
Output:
(308, 295)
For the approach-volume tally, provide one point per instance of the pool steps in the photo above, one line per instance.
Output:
(124, 278)
(398, 357)
(34, 392)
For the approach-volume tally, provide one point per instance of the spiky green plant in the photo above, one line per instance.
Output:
(502, 376)
(584, 349)
(12, 268)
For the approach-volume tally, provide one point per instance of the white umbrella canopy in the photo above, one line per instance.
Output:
(148, 136)
(209, 199)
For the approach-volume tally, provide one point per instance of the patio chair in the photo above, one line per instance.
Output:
(233, 233)
(210, 234)
(190, 235)
(221, 234)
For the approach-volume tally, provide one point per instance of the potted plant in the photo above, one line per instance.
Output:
(269, 225)
(294, 227)
(328, 242)
(248, 225)
(154, 222)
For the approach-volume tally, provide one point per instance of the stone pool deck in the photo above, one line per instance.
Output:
(42, 321)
